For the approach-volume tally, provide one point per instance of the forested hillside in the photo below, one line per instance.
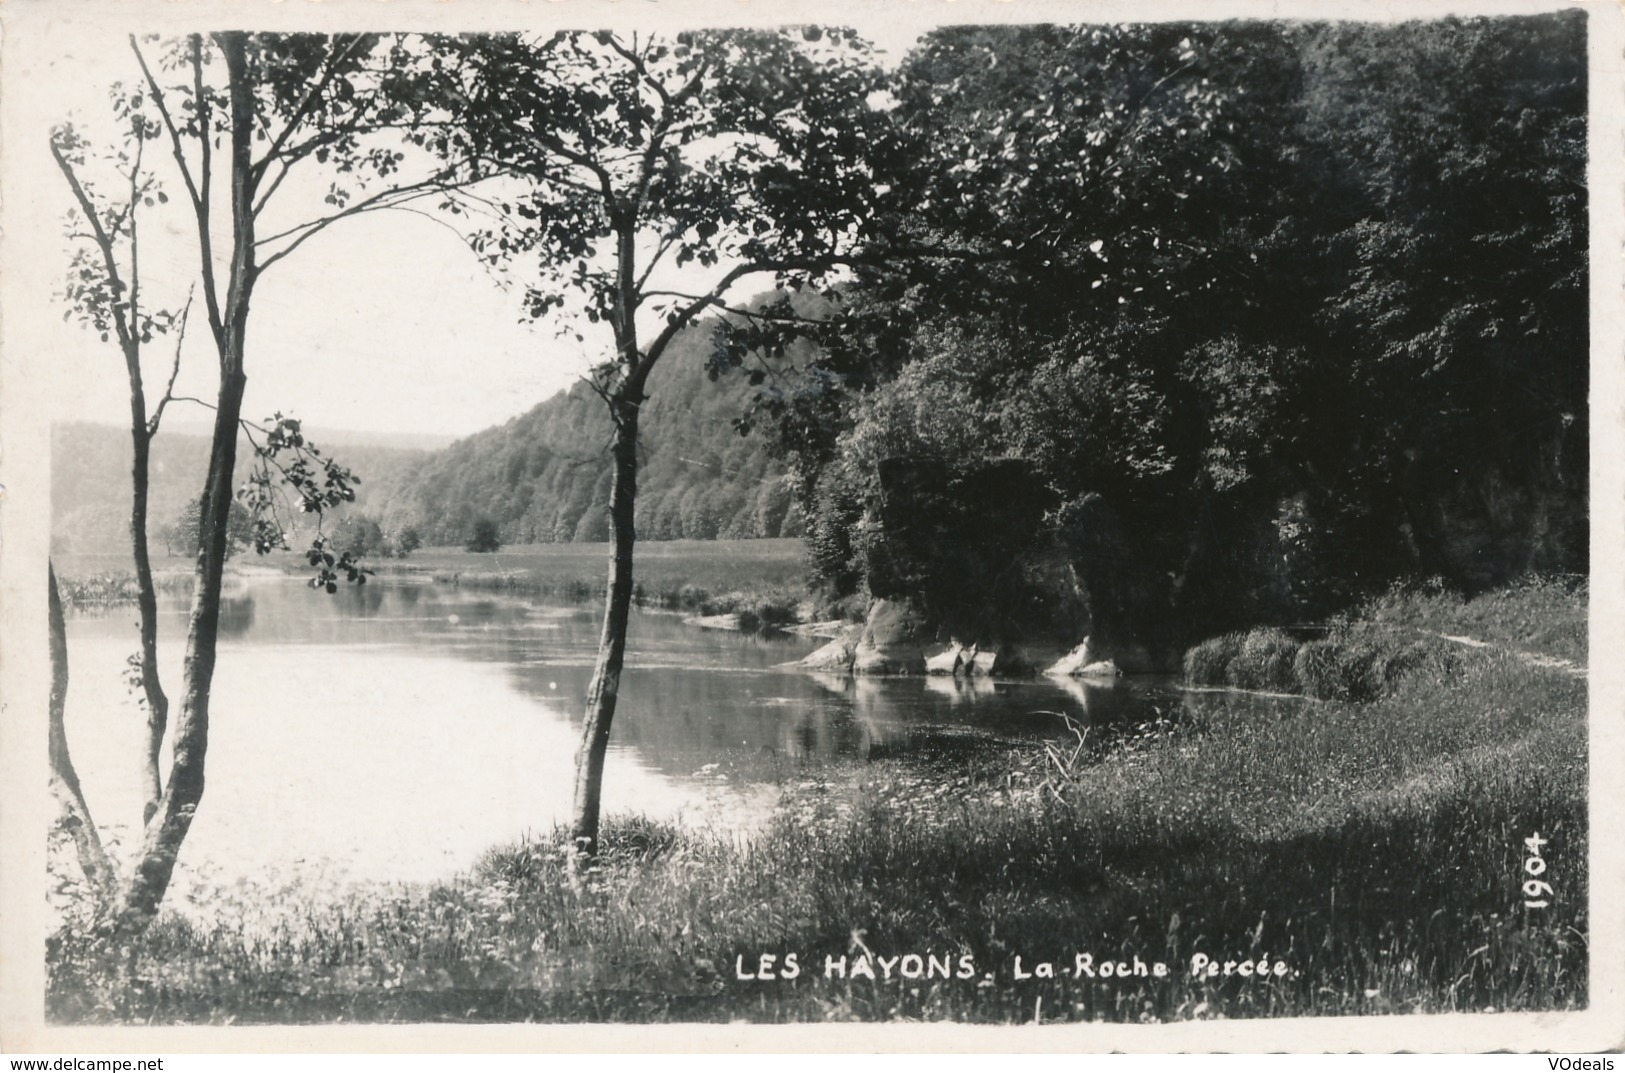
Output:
(90, 480)
(544, 477)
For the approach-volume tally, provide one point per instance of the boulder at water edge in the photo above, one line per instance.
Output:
(955, 659)
(892, 641)
(835, 656)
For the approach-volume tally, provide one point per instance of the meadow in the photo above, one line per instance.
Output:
(763, 581)
(1372, 854)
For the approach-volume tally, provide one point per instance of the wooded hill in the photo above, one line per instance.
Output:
(90, 479)
(544, 477)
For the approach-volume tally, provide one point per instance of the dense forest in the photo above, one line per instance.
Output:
(1242, 321)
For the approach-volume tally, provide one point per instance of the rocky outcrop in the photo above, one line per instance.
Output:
(988, 661)
(1104, 668)
(1090, 660)
(984, 661)
(892, 640)
(1074, 661)
(834, 656)
(950, 660)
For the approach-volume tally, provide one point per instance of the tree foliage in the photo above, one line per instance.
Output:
(1276, 312)
(182, 534)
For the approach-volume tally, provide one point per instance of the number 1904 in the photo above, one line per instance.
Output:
(1536, 891)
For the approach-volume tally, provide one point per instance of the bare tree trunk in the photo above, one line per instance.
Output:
(606, 680)
(166, 831)
(147, 602)
(64, 780)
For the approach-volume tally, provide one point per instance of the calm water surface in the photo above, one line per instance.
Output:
(396, 730)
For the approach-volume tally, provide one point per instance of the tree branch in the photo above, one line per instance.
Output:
(199, 193)
(135, 249)
(104, 243)
(265, 194)
(169, 122)
(683, 318)
(376, 202)
(740, 311)
(666, 242)
(318, 87)
(188, 398)
(606, 183)
(174, 369)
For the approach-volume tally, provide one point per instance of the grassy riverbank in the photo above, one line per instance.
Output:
(761, 579)
(1375, 850)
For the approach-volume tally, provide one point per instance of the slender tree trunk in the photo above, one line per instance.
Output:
(64, 780)
(606, 680)
(178, 803)
(166, 831)
(147, 602)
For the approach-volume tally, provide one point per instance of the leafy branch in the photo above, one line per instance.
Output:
(284, 462)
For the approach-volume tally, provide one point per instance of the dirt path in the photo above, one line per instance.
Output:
(1532, 659)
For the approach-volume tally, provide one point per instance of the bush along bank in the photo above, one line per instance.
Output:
(1408, 633)
(1350, 663)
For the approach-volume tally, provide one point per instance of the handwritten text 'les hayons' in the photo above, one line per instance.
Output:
(861, 967)
(963, 967)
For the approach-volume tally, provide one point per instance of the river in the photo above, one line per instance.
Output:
(396, 730)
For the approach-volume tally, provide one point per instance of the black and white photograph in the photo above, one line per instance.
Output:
(847, 525)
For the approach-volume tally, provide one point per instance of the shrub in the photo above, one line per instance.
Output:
(485, 536)
(1331, 670)
(1208, 663)
(1258, 659)
(1355, 662)
(1264, 660)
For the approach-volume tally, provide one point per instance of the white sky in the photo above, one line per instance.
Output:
(385, 322)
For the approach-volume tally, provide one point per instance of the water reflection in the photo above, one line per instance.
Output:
(236, 615)
(364, 601)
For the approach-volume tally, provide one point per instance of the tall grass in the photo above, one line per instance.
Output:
(1375, 849)
(1544, 614)
(110, 587)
